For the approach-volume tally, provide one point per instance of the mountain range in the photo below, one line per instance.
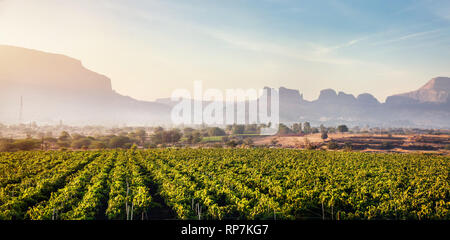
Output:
(46, 88)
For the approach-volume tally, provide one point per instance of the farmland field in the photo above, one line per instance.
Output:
(223, 184)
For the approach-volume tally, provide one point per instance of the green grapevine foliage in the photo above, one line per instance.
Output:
(223, 184)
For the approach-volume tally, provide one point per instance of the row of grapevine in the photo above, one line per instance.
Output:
(64, 199)
(33, 192)
(223, 184)
(294, 184)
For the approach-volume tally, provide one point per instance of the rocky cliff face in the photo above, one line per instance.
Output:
(29, 69)
(427, 107)
(55, 87)
(437, 90)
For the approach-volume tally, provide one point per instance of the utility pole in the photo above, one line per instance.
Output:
(21, 109)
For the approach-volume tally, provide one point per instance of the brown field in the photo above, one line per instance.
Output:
(365, 142)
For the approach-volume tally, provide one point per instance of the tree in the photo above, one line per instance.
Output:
(233, 143)
(81, 143)
(331, 130)
(194, 137)
(140, 135)
(169, 136)
(158, 129)
(64, 140)
(283, 129)
(251, 129)
(307, 128)
(26, 144)
(348, 146)
(342, 128)
(297, 127)
(64, 136)
(215, 131)
(324, 135)
(188, 130)
(332, 145)
(322, 128)
(238, 129)
(119, 142)
(6, 145)
(77, 136)
(172, 136)
(98, 145)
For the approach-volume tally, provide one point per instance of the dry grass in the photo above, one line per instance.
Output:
(402, 143)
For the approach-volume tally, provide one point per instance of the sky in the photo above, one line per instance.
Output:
(150, 48)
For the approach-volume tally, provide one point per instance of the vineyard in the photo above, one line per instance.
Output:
(222, 184)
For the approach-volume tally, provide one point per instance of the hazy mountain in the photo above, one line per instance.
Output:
(367, 99)
(437, 90)
(55, 87)
(427, 107)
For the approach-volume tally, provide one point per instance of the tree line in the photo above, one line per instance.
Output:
(231, 135)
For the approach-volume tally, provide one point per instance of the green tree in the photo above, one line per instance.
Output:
(238, 129)
(324, 135)
(169, 136)
(251, 129)
(215, 131)
(194, 137)
(342, 128)
(64, 136)
(26, 144)
(322, 128)
(140, 135)
(98, 145)
(81, 143)
(332, 145)
(307, 128)
(119, 142)
(297, 127)
(283, 129)
(188, 130)
(6, 145)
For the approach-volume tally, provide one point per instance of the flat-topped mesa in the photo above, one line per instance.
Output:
(344, 97)
(327, 95)
(55, 87)
(330, 96)
(31, 69)
(290, 95)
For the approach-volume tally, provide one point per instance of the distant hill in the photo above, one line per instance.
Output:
(25, 68)
(429, 106)
(56, 87)
(437, 90)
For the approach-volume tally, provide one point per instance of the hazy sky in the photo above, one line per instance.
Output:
(149, 48)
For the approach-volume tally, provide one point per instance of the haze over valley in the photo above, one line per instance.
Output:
(58, 88)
